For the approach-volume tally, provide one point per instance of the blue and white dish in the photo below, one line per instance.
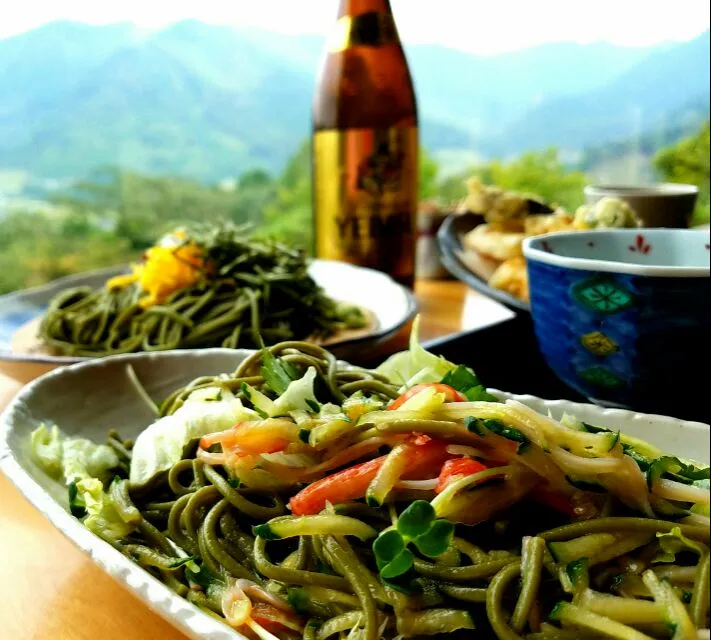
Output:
(623, 316)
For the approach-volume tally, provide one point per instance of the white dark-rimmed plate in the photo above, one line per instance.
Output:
(89, 398)
(391, 304)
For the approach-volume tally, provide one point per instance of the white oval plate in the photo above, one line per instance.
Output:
(91, 397)
(392, 305)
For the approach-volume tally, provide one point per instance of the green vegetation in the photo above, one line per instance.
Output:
(113, 215)
(540, 173)
(687, 161)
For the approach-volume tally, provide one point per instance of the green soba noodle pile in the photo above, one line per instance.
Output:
(301, 498)
(205, 287)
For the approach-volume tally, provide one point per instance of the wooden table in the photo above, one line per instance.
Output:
(51, 591)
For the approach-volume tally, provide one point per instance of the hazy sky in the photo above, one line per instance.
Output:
(480, 26)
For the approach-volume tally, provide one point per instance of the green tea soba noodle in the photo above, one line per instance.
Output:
(298, 497)
(207, 287)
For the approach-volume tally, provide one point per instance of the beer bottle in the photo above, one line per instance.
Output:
(365, 145)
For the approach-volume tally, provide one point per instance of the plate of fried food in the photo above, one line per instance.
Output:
(481, 243)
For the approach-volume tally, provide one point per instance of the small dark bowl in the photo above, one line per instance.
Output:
(657, 205)
(623, 316)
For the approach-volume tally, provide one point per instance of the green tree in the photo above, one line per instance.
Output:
(429, 171)
(687, 161)
(144, 207)
(39, 246)
(539, 173)
(289, 216)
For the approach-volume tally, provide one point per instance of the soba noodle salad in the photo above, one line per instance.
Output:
(299, 497)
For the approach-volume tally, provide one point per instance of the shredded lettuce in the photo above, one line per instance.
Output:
(46, 448)
(675, 542)
(85, 468)
(71, 458)
(84, 459)
(163, 443)
(298, 396)
(416, 365)
(104, 515)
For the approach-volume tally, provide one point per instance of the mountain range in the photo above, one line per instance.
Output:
(209, 102)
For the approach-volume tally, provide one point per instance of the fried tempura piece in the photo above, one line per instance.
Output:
(536, 225)
(494, 243)
(495, 204)
(512, 277)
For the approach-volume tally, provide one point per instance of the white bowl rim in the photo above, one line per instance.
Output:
(532, 252)
(654, 190)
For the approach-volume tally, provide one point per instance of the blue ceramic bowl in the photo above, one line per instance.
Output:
(623, 316)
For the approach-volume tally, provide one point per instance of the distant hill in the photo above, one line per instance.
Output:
(209, 102)
(664, 90)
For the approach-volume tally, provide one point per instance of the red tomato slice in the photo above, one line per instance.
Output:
(450, 394)
(274, 620)
(264, 436)
(554, 500)
(352, 483)
(458, 468)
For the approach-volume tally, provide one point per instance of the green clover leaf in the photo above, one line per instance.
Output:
(417, 524)
(436, 540)
(416, 519)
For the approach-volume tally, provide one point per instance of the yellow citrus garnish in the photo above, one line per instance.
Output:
(163, 271)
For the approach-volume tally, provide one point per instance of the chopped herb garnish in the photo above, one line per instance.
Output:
(461, 378)
(464, 380)
(76, 505)
(313, 405)
(203, 577)
(277, 373)
(479, 394)
(298, 599)
(183, 561)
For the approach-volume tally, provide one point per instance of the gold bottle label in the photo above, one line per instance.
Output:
(365, 195)
(371, 29)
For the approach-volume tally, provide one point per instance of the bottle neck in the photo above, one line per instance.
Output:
(356, 7)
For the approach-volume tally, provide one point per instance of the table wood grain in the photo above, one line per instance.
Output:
(51, 591)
